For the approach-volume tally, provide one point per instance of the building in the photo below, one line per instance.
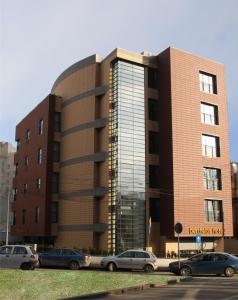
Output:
(143, 145)
(7, 172)
(234, 185)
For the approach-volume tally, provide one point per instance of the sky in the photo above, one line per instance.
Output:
(40, 39)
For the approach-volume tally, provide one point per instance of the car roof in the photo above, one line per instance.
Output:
(137, 250)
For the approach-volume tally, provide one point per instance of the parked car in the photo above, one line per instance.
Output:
(71, 258)
(18, 256)
(131, 259)
(207, 263)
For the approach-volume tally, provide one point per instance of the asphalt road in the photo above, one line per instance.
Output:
(200, 288)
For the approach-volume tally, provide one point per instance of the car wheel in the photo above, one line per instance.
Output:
(148, 268)
(185, 271)
(229, 272)
(111, 267)
(73, 265)
(25, 266)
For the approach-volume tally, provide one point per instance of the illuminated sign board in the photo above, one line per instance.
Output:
(205, 231)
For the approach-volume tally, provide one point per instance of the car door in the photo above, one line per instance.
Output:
(51, 258)
(125, 260)
(219, 263)
(67, 256)
(18, 256)
(140, 259)
(206, 265)
(5, 257)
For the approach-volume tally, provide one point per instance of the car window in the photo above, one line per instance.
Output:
(208, 257)
(127, 254)
(141, 255)
(68, 252)
(220, 257)
(55, 252)
(19, 250)
(196, 258)
(6, 250)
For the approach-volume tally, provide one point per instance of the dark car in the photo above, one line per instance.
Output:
(69, 258)
(207, 263)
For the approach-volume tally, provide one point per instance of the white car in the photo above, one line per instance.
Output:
(131, 259)
(18, 256)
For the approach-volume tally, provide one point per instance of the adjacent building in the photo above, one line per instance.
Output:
(7, 172)
(234, 185)
(124, 148)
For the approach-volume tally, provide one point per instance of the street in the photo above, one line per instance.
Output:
(200, 288)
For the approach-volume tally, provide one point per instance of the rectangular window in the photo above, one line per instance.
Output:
(57, 121)
(18, 144)
(56, 151)
(55, 182)
(152, 78)
(154, 210)
(37, 214)
(26, 161)
(15, 194)
(16, 170)
(23, 216)
(39, 156)
(210, 146)
(213, 210)
(54, 212)
(208, 83)
(28, 135)
(153, 142)
(153, 109)
(40, 126)
(154, 177)
(38, 183)
(25, 188)
(212, 179)
(209, 114)
(14, 218)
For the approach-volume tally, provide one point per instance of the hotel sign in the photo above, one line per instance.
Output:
(205, 231)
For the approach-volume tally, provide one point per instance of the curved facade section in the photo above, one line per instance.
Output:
(83, 156)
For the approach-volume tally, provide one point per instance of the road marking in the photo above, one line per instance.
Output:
(231, 298)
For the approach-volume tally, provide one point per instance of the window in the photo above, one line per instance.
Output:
(18, 144)
(28, 135)
(38, 183)
(213, 209)
(26, 161)
(23, 216)
(54, 212)
(40, 128)
(56, 151)
(154, 210)
(207, 83)
(57, 121)
(37, 214)
(68, 252)
(25, 188)
(153, 142)
(55, 182)
(153, 110)
(154, 177)
(14, 218)
(127, 254)
(15, 194)
(19, 250)
(212, 179)
(141, 255)
(209, 114)
(152, 78)
(39, 156)
(6, 250)
(16, 170)
(210, 146)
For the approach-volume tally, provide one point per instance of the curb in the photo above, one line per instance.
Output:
(129, 289)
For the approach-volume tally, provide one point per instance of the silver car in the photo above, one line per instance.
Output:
(18, 256)
(131, 259)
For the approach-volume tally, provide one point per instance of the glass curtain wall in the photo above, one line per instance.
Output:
(127, 157)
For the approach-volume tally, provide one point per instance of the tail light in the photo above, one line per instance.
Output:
(33, 256)
(86, 257)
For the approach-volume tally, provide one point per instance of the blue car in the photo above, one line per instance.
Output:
(207, 263)
(66, 258)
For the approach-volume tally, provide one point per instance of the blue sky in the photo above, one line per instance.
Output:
(39, 39)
